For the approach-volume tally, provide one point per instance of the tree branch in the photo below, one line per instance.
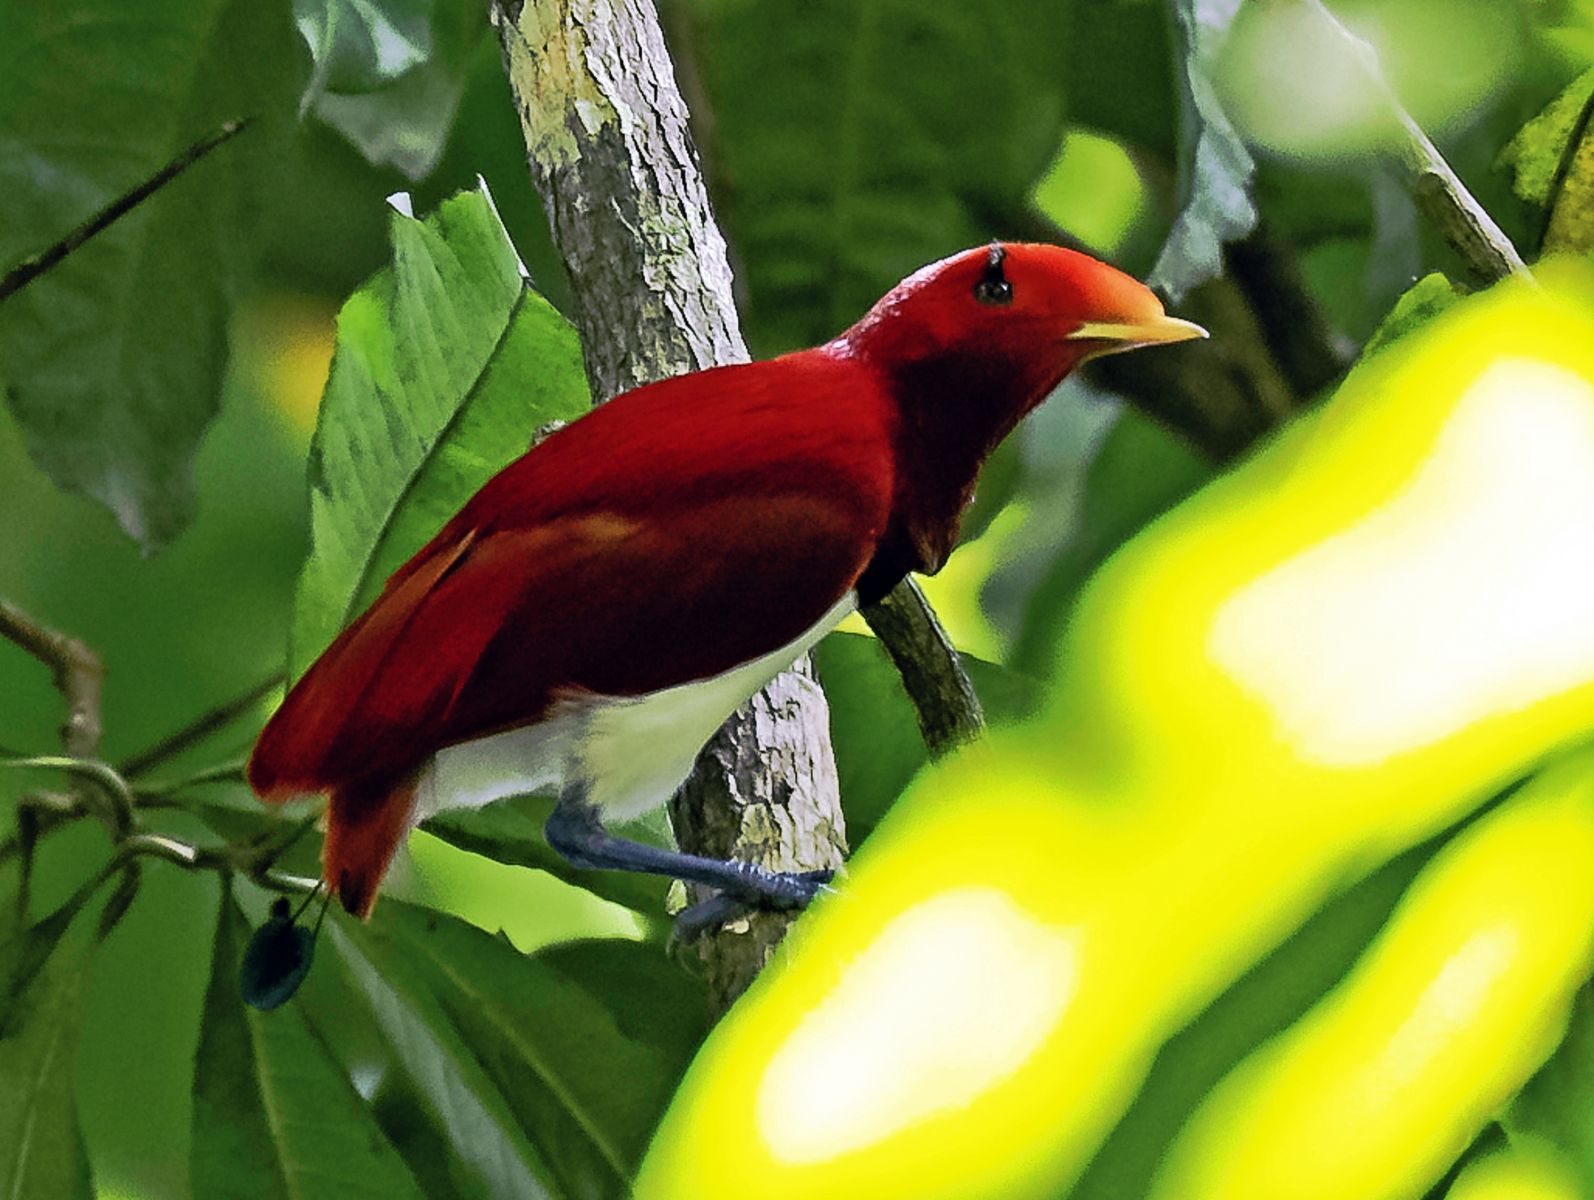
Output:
(610, 152)
(32, 267)
(201, 727)
(1438, 191)
(78, 674)
(943, 698)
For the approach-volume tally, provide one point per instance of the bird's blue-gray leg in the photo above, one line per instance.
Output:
(575, 830)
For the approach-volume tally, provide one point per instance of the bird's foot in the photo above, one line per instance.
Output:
(774, 891)
(766, 891)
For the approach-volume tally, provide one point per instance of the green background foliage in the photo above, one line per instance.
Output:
(507, 1026)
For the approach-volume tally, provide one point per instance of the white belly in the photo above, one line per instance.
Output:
(630, 753)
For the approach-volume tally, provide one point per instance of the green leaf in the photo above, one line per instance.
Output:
(46, 973)
(546, 1079)
(446, 364)
(358, 45)
(873, 727)
(1424, 300)
(586, 1042)
(1140, 471)
(1121, 78)
(1215, 169)
(1554, 160)
(1536, 154)
(510, 831)
(848, 161)
(114, 358)
(275, 1116)
(405, 121)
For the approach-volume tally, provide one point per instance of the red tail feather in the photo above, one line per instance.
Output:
(366, 820)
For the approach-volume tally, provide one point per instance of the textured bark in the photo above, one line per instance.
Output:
(609, 149)
(944, 699)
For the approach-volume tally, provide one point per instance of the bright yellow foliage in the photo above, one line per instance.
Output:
(1327, 656)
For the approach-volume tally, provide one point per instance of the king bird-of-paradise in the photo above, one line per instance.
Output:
(595, 612)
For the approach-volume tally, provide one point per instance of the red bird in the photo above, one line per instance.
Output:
(596, 611)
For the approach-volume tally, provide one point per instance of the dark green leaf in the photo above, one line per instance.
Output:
(1215, 168)
(447, 362)
(1121, 77)
(541, 1083)
(873, 728)
(1537, 153)
(495, 1153)
(849, 161)
(114, 358)
(510, 831)
(1140, 471)
(586, 1043)
(45, 971)
(275, 1117)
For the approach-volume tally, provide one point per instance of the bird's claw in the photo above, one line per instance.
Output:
(762, 891)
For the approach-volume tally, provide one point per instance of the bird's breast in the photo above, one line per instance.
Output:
(629, 754)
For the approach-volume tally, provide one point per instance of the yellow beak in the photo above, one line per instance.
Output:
(1155, 332)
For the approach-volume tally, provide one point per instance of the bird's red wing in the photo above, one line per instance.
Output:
(490, 629)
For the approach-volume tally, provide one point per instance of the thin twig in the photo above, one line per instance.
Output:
(201, 728)
(108, 784)
(31, 268)
(77, 670)
(1438, 191)
(943, 698)
(231, 772)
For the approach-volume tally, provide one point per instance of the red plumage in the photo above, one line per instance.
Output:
(679, 531)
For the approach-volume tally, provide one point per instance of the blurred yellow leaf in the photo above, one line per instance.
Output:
(1321, 659)
(1460, 999)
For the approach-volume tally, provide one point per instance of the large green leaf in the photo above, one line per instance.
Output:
(447, 362)
(587, 1042)
(1215, 168)
(860, 139)
(114, 358)
(275, 1117)
(510, 831)
(468, 1107)
(44, 973)
(873, 727)
(546, 1074)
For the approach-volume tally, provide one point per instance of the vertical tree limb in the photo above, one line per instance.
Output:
(610, 152)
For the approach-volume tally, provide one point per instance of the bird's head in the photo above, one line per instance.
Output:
(1012, 315)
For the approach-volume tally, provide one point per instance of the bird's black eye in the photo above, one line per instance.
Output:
(993, 287)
